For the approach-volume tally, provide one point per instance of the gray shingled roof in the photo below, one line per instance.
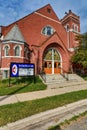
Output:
(14, 34)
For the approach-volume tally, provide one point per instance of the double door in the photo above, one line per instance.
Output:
(52, 62)
(52, 67)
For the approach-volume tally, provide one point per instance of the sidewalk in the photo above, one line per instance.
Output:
(53, 89)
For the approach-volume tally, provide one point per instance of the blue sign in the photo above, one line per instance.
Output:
(21, 69)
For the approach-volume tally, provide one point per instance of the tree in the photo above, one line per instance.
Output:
(80, 56)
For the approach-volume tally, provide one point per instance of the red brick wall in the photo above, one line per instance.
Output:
(11, 58)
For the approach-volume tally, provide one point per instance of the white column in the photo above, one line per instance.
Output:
(52, 61)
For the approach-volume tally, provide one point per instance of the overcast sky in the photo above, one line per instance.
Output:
(12, 10)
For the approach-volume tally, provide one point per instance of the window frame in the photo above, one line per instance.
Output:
(75, 27)
(47, 30)
(19, 52)
(6, 52)
(26, 52)
(67, 27)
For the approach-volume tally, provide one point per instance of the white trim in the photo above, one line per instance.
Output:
(18, 46)
(11, 56)
(4, 68)
(71, 49)
(14, 57)
(76, 18)
(52, 60)
(75, 32)
(47, 17)
(5, 46)
(12, 42)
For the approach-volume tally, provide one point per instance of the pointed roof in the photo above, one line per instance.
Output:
(48, 11)
(14, 34)
(70, 14)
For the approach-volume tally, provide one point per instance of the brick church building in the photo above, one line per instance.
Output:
(40, 38)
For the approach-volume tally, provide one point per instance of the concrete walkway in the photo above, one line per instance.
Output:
(52, 89)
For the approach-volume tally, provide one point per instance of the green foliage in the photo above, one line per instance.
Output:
(80, 56)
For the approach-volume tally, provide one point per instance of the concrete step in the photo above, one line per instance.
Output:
(55, 78)
(75, 77)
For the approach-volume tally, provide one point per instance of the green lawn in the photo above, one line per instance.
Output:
(20, 110)
(21, 85)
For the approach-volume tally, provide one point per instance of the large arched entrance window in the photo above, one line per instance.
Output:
(52, 61)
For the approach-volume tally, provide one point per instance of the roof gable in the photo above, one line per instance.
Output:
(48, 11)
(14, 34)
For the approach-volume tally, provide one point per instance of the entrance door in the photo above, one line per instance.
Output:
(57, 68)
(52, 62)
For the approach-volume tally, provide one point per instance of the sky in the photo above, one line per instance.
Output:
(13, 10)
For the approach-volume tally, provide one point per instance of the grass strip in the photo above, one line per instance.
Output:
(20, 110)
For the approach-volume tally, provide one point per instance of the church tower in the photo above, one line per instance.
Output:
(71, 23)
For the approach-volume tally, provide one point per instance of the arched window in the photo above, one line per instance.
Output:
(6, 51)
(67, 28)
(26, 52)
(17, 51)
(47, 30)
(52, 53)
(75, 27)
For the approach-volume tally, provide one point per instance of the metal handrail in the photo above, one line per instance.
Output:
(43, 76)
(65, 74)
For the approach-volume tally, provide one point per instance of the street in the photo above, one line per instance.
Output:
(80, 124)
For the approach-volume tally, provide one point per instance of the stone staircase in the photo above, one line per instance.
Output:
(58, 78)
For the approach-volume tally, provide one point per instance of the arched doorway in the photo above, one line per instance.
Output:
(52, 61)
